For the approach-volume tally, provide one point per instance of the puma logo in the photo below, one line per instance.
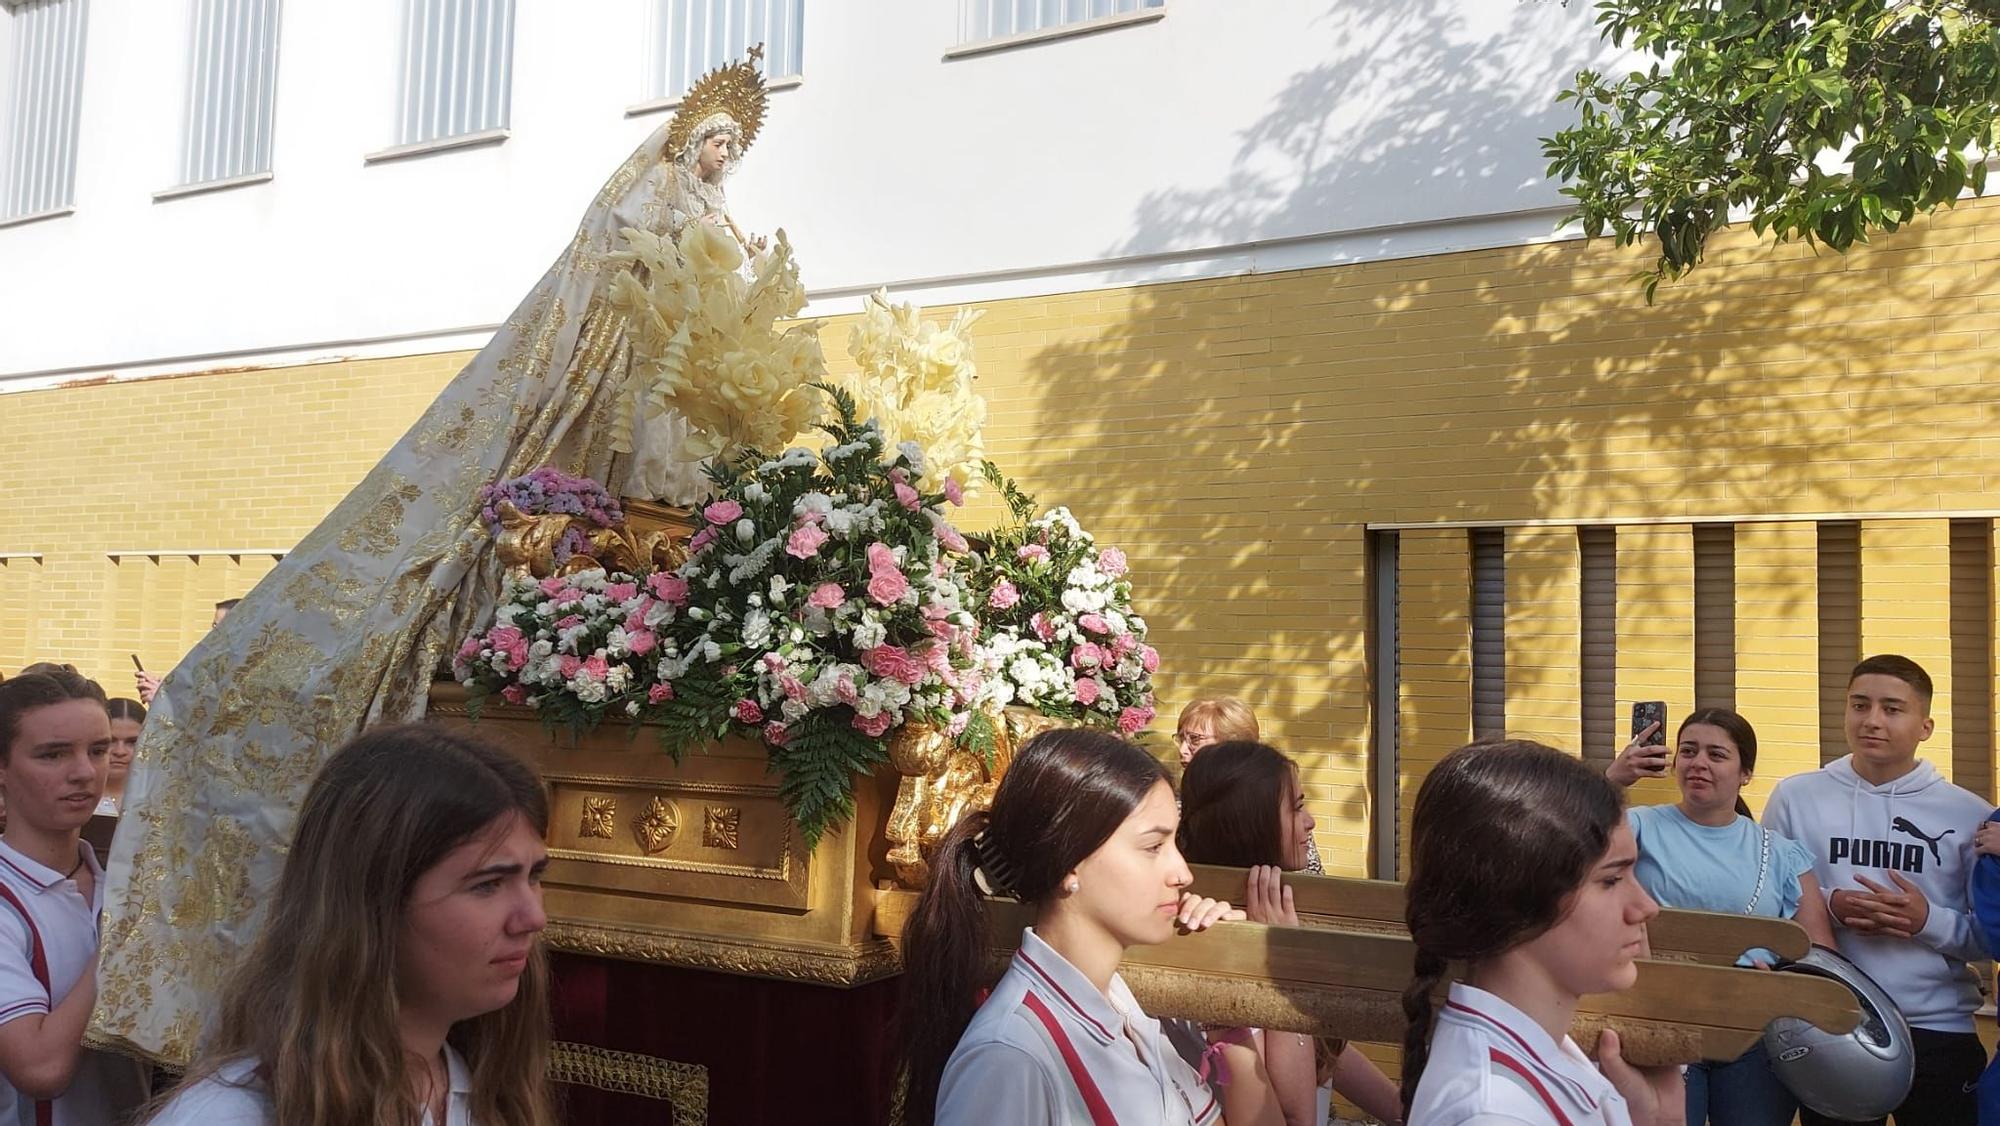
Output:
(1902, 825)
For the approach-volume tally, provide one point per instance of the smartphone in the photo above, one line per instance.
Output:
(1647, 713)
(135, 662)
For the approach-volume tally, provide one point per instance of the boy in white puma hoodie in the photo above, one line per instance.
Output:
(1892, 847)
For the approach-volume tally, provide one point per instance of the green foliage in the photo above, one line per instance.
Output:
(1021, 506)
(1822, 120)
(816, 769)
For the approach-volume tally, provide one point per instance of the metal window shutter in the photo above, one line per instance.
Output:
(1489, 632)
(1972, 655)
(1597, 618)
(1839, 629)
(1715, 616)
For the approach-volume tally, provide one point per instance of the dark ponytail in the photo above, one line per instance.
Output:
(1740, 733)
(1502, 835)
(1066, 792)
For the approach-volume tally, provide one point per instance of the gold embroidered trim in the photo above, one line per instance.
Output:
(682, 1085)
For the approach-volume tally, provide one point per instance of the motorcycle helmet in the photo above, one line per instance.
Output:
(1861, 1074)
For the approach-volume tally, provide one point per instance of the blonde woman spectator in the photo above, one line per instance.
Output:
(1208, 720)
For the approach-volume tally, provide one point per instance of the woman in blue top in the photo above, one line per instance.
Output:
(1706, 853)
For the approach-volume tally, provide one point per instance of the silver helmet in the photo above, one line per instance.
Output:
(1861, 1074)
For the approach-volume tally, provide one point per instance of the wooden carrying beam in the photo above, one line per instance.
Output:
(1376, 907)
(1339, 983)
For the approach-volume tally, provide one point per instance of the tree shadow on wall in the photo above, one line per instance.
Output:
(1238, 435)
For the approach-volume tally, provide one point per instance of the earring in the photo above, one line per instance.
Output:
(1071, 887)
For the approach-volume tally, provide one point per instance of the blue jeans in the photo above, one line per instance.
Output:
(1741, 1093)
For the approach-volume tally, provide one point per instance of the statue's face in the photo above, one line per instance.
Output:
(713, 157)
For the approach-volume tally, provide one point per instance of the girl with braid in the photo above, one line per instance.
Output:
(1522, 870)
(1082, 827)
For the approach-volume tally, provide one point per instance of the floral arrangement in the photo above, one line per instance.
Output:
(706, 343)
(549, 490)
(574, 647)
(1058, 632)
(827, 611)
(820, 608)
(915, 379)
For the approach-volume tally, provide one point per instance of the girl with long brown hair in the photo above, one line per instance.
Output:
(399, 978)
(1242, 807)
(1082, 827)
(1521, 868)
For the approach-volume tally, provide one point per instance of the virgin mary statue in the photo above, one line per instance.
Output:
(348, 629)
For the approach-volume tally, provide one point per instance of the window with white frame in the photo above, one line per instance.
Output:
(232, 89)
(980, 20)
(458, 61)
(44, 105)
(688, 38)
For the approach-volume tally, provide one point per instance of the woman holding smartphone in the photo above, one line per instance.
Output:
(1521, 869)
(1705, 853)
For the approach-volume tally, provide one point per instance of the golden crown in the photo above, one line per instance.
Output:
(736, 89)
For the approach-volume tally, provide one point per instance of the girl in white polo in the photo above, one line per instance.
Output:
(54, 738)
(1522, 869)
(1082, 827)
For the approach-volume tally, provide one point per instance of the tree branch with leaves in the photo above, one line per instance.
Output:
(1822, 120)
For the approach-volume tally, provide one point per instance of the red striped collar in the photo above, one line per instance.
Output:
(1067, 986)
(34, 873)
(1522, 1070)
(1488, 1010)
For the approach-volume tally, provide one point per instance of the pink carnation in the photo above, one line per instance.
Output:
(552, 584)
(874, 725)
(1123, 644)
(1149, 659)
(805, 541)
(893, 662)
(1087, 689)
(1095, 623)
(1087, 655)
(777, 734)
(668, 588)
(1111, 561)
(514, 694)
(569, 621)
(660, 693)
(471, 648)
(1134, 719)
(907, 497)
(950, 537)
(569, 594)
(1044, 629)
(701, 539)
(508, 640)
(596, 667)
(953, 491)
(1004, 595)
(568, 665)
(746, 710)
(621, 592)
(791, 687)
(886, 583)
(722, 512)
(776, 662)
(641, 642)
(826, 596)
(1033, 553)
(844, 690)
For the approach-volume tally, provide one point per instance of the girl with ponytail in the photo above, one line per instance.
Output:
(1082, 827)
(1521, 869)
(1705, 853)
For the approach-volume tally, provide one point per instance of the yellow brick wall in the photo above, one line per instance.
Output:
(1777, 633)
(1435, 692)
(1906, 608)
(1655, 634)
(1235, 435)
(1542, 642)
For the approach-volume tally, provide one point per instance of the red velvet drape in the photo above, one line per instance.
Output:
(776, 1051)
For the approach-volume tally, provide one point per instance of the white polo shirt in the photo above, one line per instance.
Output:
(1490, 1065)
(1047, 1047)
(106, 1086)
(234, 1096)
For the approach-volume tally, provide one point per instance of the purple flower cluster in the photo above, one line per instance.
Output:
(548, 491)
